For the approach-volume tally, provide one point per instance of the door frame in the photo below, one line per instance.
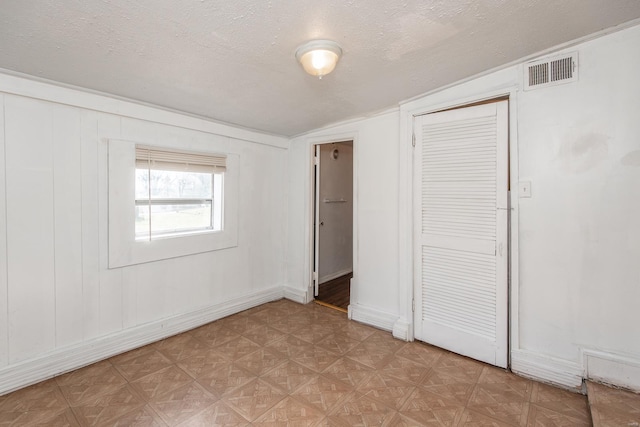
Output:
(317, 207)
(442, 334)
(435, 103)
(310, 211)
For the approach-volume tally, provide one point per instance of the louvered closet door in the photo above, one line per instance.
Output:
(460, 182)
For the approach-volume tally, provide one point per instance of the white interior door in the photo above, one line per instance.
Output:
(460, 228)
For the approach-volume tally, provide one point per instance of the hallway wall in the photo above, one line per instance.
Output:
(336, 212)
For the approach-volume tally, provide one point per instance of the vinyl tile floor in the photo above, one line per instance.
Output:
(288, 364)
(612, 407)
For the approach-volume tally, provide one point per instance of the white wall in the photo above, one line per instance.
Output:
(336, 219)
(576, 275)
(61, 299)
(580, 232)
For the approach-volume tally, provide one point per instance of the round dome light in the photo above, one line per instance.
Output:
(319, 57)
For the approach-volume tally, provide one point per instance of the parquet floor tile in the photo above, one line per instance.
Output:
(219, 414)
(181, 404)
(290, 412)
(109, 407)
(142, 365)
(161, 382)
(613, 407)
(348, 371)
(289, 376)
(225, 378)
(254, 398)
(286, 364)
(323, 393)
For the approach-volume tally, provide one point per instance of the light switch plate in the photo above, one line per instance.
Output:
(525, 189)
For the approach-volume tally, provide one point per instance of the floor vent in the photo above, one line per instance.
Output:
(551, 71)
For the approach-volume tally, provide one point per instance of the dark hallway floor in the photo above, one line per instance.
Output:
(336, 292)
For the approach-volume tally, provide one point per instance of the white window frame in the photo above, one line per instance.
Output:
(124, 249)
(154, 158)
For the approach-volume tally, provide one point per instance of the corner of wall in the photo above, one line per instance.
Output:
(295, 294)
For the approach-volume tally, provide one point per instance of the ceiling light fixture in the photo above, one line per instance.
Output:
(319, 57)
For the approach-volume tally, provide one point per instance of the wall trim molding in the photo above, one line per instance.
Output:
(75, 356)
(15, 83)
(295, 294)
(372, 316)
(547, 369)
(611, 368)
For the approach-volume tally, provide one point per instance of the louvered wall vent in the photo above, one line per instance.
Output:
(551, 71)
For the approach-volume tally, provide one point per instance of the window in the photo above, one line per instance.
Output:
(177, 193)
(165, 202)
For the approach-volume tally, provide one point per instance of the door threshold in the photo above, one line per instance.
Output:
(326, 304)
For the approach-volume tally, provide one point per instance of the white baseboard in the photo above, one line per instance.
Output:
(401, 330)
(295, 294)
(335, 275)
(372, 316)
(615, 369)
(76, 356)
(546, 369)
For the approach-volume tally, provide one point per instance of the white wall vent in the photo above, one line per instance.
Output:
(551, 71)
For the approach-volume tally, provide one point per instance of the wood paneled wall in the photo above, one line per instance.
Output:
(55, 287)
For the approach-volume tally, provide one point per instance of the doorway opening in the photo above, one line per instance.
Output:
(333, 224)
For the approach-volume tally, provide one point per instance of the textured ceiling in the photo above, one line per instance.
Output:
(233, 60)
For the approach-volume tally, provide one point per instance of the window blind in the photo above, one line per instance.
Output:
(161, 159)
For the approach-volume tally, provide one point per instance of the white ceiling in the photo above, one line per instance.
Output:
(233, 60)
